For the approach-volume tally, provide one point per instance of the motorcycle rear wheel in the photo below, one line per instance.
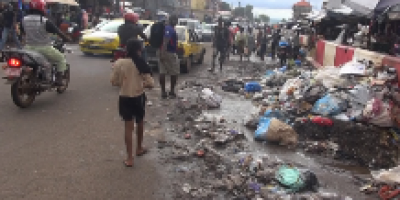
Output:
(66, 80)
(19, 89)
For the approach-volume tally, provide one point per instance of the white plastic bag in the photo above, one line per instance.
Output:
(291, 84)
(378, 113)
(353, 67)
(212, 100)
(390, 176)
(330, 77)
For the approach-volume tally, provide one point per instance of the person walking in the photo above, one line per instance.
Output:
(132, 75)
(275, 42)
(9, 21)
(168, 60)
(263, 47)
(296, 45)
(241, 43)
(251, 43)
(220, 44)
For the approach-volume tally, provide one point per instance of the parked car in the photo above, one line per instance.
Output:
(208, 31)
(190, 49)
(193, 24)
(97, 27)
(105, 39)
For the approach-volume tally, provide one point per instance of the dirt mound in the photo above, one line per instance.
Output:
(368, 145)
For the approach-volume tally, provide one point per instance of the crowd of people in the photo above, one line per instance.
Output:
(243, 42)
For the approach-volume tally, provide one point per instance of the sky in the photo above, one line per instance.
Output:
(276, 9)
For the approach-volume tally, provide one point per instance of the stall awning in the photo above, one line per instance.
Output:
(383, 4)
(66, 2)
(364, 7)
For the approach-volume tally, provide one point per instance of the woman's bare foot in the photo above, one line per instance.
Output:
(128, 163)
(141, 151)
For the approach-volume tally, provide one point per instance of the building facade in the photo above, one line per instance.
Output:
(301, 8)
(203, 9)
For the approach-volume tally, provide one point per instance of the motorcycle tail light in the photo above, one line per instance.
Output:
(14, 63)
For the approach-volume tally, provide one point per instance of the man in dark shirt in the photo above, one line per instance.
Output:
(220, 43)
(130, 29)
(9, 19)
(168, 59)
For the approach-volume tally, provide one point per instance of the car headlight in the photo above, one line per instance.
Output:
(106, 41)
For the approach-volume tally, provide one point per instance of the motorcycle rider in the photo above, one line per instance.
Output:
(220, 42)
(37, 27)
(131, 30)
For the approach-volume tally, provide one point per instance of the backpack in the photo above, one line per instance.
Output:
(157, 34)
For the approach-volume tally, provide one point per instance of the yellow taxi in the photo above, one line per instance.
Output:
(190, 49)
(104, 40)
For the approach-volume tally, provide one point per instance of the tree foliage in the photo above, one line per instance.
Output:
(264, 18)
(243, 12)
(223, 6)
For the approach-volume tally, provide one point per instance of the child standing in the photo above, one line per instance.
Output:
(132, 75)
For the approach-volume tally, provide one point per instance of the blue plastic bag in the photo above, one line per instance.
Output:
(328, 106)
(283, 44)
(283, 69)
(269, 73)
(262, 129)
(252, 87)
(274, 114)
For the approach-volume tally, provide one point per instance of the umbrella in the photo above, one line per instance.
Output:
(383, 4)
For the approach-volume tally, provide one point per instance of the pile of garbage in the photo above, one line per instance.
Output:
(352, 110)
(217, 163)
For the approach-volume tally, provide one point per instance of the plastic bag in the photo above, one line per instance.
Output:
(378, 113)
(212, 100)
(289, 88)
(328, 106)
(281, 132)
(252, 87)
(330, 77)
(290, 177)
(262, 129)
(390, 176)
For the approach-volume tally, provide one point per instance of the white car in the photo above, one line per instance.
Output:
(193, 24)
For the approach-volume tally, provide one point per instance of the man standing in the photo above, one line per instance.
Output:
(220, 42)
(168, 63)
(9, 18)
(296, 44)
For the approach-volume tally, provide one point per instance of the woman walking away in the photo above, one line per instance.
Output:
(240, 43)
(132, 75)
(251, 43)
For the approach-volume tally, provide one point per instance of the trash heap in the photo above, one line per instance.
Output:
(217, 163)
(349, 112)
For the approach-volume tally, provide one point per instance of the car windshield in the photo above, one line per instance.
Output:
(208, 27)
(111, 27)
(179, 30)
(101, 24)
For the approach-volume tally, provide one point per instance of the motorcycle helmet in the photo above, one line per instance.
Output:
(131, 17)
(39, 5)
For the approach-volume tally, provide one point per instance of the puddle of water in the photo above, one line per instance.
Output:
(234, 108)
(352, 168)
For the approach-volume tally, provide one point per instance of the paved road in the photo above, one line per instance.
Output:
(70, 146)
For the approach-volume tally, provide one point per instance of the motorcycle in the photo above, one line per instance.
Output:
(30, 74)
